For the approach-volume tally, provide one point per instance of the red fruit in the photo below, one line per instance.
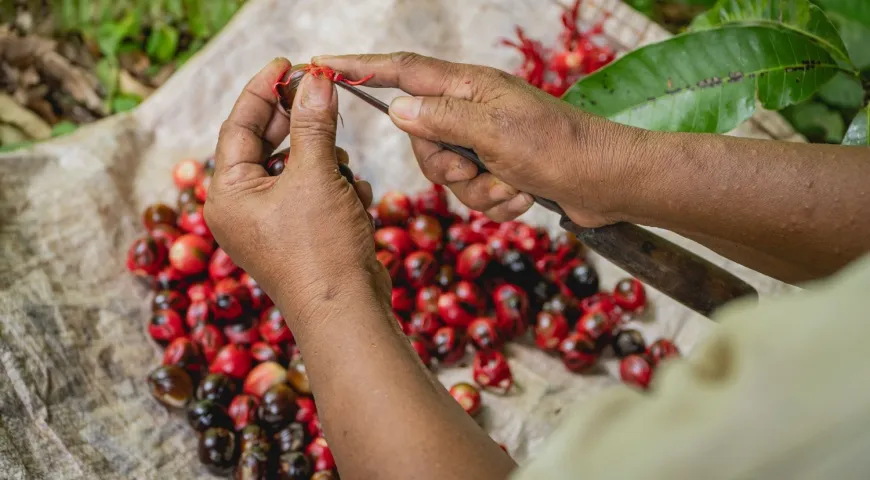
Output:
(597, 60)
(596, 325)
(548, 266)
(229, 300)
(452, 312)
(394, 239)
(158, 214)
(484, 225)
(264, 352)
(601, 302)
(319, 450)
(201, 188)
(190, 254)
(273, 327)
(243, 331)
(192, 221)
(484, 334)
(420, 268)
(210, 339)
(263, 377)
(470, 297)
(662, 349)
(550, 330)
(221, 265)
(185, 353)
(566, 306)
(198, 313)
(491, 370)
(630, 295)
(467, 397)
(636, 370)
(427, 299)
(200, 292)
(394, 208)
(402, 300)
(165, 326)
(472, 261)
(314, 428)
(186, 173)
(578, 352)
(146, 256)
(511, 310)
(567, 63)
(424, 324)
(422, 349)
(233, 361)
(566, 246)
(449, 345)
(497, 244)
(243, 411)
(391, 262)
(432, 201)
(259, 299)
(170, 300)
(166, 234)
(307, 410)
(534, 242)
(426, 233)
(460, 236)
(169, 279)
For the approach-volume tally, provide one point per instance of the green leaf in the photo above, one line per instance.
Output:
(162, 43)
(125, 103)
(11, 147)
(186, 55)
(852, 18)
(196, 19)
(63, 128)
(110, 35)
(646, 7)
(843, 91)
(798, 15)
(856, 10)
(859, 131)
(107, 71)
(706, 81)
(816, 121)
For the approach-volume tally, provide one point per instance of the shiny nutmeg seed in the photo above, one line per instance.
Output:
(171, 385)
(288, 85)
(206, 414)
(218, 450)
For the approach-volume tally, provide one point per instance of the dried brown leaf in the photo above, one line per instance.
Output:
(29, 123)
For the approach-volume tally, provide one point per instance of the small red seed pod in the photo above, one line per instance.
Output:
(391, 262)
(221, 265)
(491, 371)
(198, 313)
(497, 245)
(190, 254)
(534, 242)
(550, 330)
(169, 278)
(263, 377)
(229, 300)
(578, 352)
(233, 361)
(273, 327)
(243, 411)
(449, 345)
(472, 261)
(185, 353)
(321, 453)
(432, 201)
(452, 312)
(484, 225)
(565, 306)
(158, 214)
(192, 221)
(630, 295)
(427, 299)
(636, 370)
(394, 208)
(313, 427)
(264, 352)
(186, 173)
(420, 268)
(596, 325)
(484, 334)
(424, 324)
(548, 266)
(470, 296)
(460, 236)
(601, 302)
(146, 256)
(422, 348)
(402, 299)
(210, 339)
(165, 326)
(426, 233)
(200, 292)
(243, 330)
(394, 239)
(566, 246)
(511, 310)
(170, 300)
(307, 409)
(259, 299)
(467, 397)
(662, 349)
(201, 188)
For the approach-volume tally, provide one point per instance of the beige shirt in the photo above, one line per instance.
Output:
(780, 391)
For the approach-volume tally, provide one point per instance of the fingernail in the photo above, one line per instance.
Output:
(460, 171)
(501, 191)
(520, 203)
(316, 92)
(321, 58)
(406, 108)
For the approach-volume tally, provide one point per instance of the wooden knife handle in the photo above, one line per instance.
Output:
(671, 269)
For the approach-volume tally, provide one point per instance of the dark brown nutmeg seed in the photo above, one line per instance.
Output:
(286, 87)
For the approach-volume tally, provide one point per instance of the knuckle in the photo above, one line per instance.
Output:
(406, 60)
(305, 129)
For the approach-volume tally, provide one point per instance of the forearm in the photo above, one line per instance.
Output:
(793, 211)
(383, 413)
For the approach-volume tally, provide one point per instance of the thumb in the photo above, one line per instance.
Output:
(445, 119)
(313, 125)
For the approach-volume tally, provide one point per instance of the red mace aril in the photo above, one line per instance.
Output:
(636, 370)
(420, 268)
(449, 345)
(210, 339)
(662, 349)
(243, 331)
(198, 313)
(259, 299)
(402, 300)
(201, 188)
(550, 330)
(170, 300)
(394, 208)
(186, 173)
(467, 397)
(319, 450)
(165, 234)
(597, 325)
(421, 347)
(165, 326)
(484, 334)
(391, 262)
(427, 299)
(532, 241)
(578, 352)
(264, 352)
(432, 201)
(563, 305)
(511, 310)
(158, 214)
(185, 353)
(548, 266)
(200, 292)
(169, 278)
(566, 246)
(263, 377)
(426, 233)
(233, 361)
(491, 371)
(472, 261)
(460, 236)
(314, 427)
(221, 265)
(630, 295)
(229, 300)
(192, 221)
(452, 312)
(243, 411)
(497, 244)
(273, 327)
(307, 410)
(601, 302)
(567, 63)
(190, 254)
(146, 256)
(394, 239)
(470, 297)
(424, 324)
(484, 225)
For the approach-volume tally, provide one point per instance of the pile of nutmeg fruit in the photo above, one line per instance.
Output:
(463, 286)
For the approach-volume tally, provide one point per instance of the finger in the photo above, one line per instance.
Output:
(252, 129)
(444, 119)
(511, 209)
(313, 125)
(439, 165)
(364, 191)
(483, 192)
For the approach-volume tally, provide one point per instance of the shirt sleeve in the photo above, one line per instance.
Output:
(781, 390)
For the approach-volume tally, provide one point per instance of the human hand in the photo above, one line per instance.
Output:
(304, 235)
(531, 142)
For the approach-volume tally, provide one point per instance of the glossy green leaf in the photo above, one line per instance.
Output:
(852, 18)
(107, 71)
(798, 15)
(706, 81)
(162, 43)
(125, 103)
(816, 121)
(859, 131)
(63, 128)
(843, 91)
(110, 35)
